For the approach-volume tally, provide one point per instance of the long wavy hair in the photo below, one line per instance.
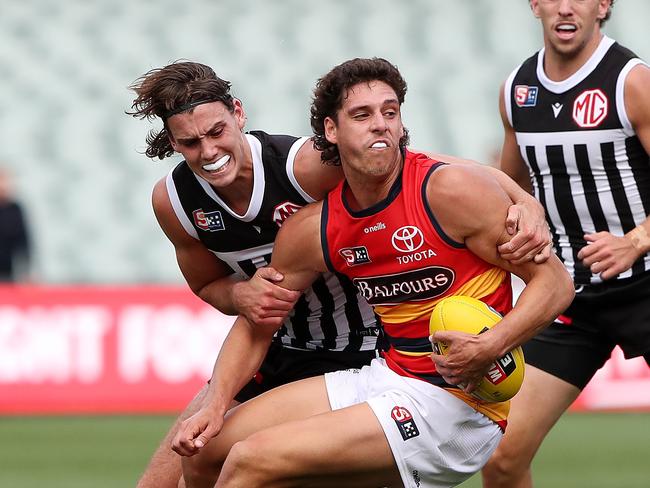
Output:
(332, 88)
(175, 88)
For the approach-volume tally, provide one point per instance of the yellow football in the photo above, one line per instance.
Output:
(467, 314)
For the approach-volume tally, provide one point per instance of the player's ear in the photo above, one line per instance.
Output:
(603, 8)
(172, 141)
(534, 7)
(239, 113)
(330, 129)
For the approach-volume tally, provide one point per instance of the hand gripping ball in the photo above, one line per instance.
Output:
(467, 314)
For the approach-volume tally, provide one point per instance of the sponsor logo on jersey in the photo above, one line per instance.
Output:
(208, 221)
(283, 211)
(414, 285)
(557, 107)
(526, 96)
(416, 256)
(355, 256)
(405, 423)
(367, 332)
(375, 228)
(407, 239)
(590, 108)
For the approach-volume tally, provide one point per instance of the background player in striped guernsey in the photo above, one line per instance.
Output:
(221, 209)
(577, 132)
(395, 422)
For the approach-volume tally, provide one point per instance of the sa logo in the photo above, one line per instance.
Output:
(405, 423)
(590, 108)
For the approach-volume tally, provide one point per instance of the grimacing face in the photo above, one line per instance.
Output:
(210, 139)
(368, 128)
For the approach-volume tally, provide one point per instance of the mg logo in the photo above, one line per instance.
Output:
(283, 211)
(407, 239)
(590, 108)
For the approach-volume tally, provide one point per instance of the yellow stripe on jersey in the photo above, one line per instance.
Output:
(498, 412)
(478, 287)
(412, 354)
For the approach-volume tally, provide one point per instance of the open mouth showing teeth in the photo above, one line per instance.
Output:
(379, 145)
(218, 164)
(566, 28)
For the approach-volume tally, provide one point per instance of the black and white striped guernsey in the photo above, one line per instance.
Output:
(330, 315)
(587, 165)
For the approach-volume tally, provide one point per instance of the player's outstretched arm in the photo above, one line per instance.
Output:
(240, 356)
(298, 256)
(473, 213)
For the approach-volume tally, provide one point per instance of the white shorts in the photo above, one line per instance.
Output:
(437, 440)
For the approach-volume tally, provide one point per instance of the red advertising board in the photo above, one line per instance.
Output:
(104, 350)
(622, 384)
(149, 349)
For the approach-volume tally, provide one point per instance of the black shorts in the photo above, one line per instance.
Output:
(283, 365)
(600, 317)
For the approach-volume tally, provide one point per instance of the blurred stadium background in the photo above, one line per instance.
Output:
(65, 66)
(103, 265)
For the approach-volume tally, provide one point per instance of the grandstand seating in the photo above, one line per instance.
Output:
(65, 67)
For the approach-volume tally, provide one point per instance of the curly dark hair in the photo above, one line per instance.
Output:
(607, 15)
(175, 88)
(332, 88)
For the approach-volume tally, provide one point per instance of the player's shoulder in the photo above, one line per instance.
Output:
(456, 173)
(638, 78)
(159, 195)
(315, 176)
(309, 215)
(637, 96)
(461, 188)
(278, 141)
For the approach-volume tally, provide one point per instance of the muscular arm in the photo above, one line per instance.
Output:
(314, 176)
(511, 162)
(474, 215)
(607, 254)
(298, 256)
(211, 279)
(525, 221)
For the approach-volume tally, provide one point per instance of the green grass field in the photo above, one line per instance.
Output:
(584, 451)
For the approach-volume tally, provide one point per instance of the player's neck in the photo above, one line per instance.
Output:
(365, 190)
(237, 195)
(560, 66)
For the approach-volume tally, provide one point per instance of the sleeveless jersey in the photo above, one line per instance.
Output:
(587, 165)
(403, 263)
(329, 315)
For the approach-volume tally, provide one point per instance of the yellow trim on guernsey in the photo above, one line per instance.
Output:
(497, 412)
(478, 287)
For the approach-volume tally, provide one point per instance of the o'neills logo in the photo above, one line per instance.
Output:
(415, 285)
